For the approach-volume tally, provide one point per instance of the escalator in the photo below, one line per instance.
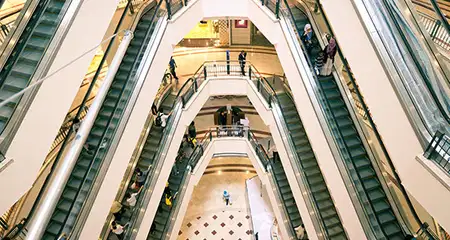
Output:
(286, 194)
(22, 63)
(149, 151)
(162, 217)
(315, 180)
(91, 158)
(355, 157)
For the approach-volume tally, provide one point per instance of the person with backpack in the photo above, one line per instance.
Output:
(161, 119)
(192, 131)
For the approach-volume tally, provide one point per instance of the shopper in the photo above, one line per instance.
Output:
(307, 37)
(226, 197)
(320, 61)
(131, 199)
(117, 210)
(172, 67)
(242, 60)
(140, 178)
(300, 232)
(154, 109)
(161, 119)
(191, 130)
(329, 51)
(222, 118)
(76, 124)
(118, 229)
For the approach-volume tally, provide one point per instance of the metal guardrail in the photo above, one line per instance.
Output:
(438, 33)
(438, 151)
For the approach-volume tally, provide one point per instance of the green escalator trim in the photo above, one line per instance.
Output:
(163, 213)
(27, 54)
(90, 161)
(149, 152)
(357, 161)
(286, 195)
(308, 162)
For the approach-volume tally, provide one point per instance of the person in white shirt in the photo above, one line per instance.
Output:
(161, 119)
(132, 198)
(118, 229)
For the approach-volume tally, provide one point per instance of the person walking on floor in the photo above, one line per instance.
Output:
(226, 197)
(242, 60)
(172, 67)
(329, 51)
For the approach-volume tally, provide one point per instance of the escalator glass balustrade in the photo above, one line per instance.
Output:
(146, 159)
(90, 161)
(372, 194)
(29, 50)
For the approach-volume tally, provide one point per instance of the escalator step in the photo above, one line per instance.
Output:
(366, 172)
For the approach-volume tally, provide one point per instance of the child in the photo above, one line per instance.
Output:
(320, 61)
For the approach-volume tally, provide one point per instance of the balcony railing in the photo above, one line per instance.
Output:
(438, 151)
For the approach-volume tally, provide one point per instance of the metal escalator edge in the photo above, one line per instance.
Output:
(137, 86)
(10, 124)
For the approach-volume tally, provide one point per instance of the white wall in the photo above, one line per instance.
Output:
(45, 115)
(388, 114)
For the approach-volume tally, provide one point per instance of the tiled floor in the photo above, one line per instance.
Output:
(207, 215)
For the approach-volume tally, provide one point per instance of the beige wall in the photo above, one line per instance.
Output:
(45, 115)
(391, 120)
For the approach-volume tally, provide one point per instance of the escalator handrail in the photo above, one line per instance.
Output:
(66, 141)
(307, 57)
(319, 224)
(160, 96)
(193, 160)
(417, 63)
(131, 74)
(21, 22)
(372, 125)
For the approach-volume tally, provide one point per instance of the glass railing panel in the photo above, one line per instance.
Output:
(423, 80)
(8, 16)
(136, 161)
(292, 14)
(433, 21)
(77, 114)
(439, 151)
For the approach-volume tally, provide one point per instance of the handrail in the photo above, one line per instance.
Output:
(66, 141)
(439, 151)
(340, 134)
(298, 31)
(417, 62)
(193, 160)
(135, 157)
(133, 73)
(50, 47)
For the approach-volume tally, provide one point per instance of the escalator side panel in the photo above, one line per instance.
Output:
(84, 172)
